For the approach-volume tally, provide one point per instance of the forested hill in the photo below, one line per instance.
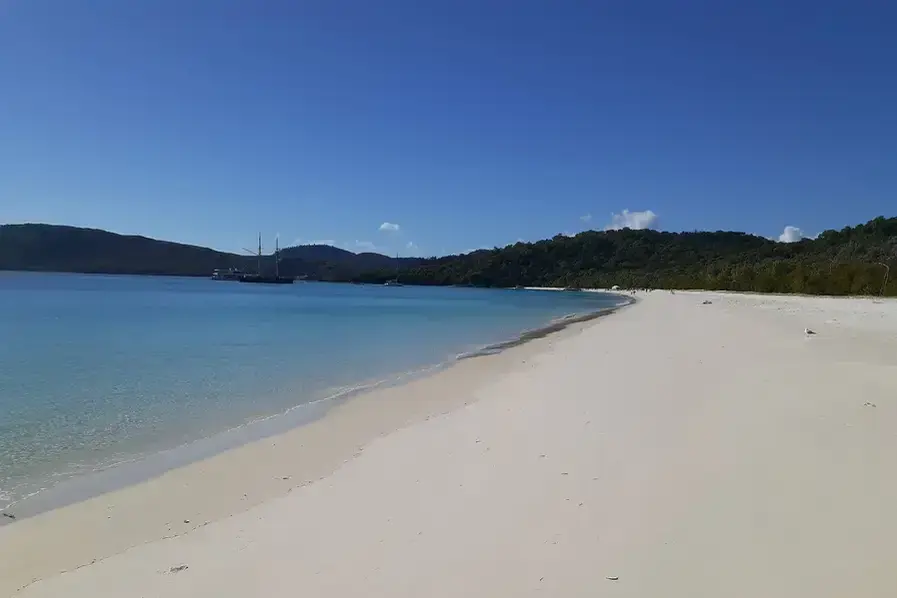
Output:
(51, 248)
(854, 260)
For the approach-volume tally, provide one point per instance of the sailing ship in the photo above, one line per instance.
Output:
(258, 277)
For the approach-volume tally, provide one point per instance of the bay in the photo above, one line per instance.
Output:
(97, 371)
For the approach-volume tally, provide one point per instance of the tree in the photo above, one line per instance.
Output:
(837, 262)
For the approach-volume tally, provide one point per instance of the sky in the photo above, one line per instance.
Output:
(426, 127)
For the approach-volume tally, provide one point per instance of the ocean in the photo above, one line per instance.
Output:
(99, 372)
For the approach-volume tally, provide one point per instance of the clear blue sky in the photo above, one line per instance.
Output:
(468, 123)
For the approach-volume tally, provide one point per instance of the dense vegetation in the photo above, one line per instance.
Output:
(854, 260)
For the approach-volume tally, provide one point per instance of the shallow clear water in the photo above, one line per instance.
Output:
(96, 370)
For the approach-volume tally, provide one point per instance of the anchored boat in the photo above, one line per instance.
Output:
(260, 278)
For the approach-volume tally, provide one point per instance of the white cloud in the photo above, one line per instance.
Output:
(389, 227)
(633, 220)
(411, 246)
(586, 218)
(792, 234)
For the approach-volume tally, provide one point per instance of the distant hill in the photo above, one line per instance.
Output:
(53, 248)
(363, 262)
(317, 253)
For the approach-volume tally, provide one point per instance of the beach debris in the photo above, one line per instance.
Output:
(808, 332)
(868, 404)
(564, 473)
(178, 568)
(706, 302)
(186, 521)
(613, 578)
(9, 515)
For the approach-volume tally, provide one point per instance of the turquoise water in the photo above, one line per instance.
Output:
(100, 370)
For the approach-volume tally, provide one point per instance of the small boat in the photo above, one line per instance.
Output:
(395, 281)
(227, 274)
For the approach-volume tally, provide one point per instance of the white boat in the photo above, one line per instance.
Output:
(227, 274)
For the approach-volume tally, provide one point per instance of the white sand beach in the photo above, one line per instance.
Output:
(671, 449)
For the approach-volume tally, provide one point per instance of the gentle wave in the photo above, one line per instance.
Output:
(77, 470)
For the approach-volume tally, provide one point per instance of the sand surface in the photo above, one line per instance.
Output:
(671, 449)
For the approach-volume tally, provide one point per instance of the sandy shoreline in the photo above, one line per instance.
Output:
(67, 490)
(173, 503)
(686, 449)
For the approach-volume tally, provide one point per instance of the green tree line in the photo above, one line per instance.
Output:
(854, 260)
